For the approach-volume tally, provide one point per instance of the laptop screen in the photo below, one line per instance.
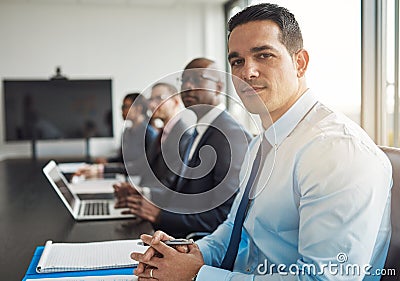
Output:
(59, 181)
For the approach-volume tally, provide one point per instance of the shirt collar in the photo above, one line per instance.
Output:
(208, 118)
(288, 121)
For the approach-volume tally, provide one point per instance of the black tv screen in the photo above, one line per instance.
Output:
(57, 109)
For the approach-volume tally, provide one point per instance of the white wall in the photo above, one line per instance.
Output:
(133, 44)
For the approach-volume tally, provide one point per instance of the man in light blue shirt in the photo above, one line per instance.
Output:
(320, 207)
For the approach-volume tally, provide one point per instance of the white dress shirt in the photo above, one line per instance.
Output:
(327, 199)
(203, 123)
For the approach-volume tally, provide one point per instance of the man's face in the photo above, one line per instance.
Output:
(161, 102)
(258, 57)
(126, 105)
(199, 86)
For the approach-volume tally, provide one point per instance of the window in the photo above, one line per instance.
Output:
(391, 18)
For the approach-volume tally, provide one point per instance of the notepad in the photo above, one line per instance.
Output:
(60, 257)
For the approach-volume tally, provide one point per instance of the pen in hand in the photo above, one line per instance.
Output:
(172, 242)
(178, 244)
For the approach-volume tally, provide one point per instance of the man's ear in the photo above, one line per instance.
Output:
(301, 60)
(176, 99)
(139, 108)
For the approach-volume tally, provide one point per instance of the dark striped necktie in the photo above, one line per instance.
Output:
(186, 156)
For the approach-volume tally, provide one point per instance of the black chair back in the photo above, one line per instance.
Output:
(393, 257)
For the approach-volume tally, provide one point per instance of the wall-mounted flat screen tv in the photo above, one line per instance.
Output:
(57, 109)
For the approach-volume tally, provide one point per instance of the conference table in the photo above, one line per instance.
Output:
(31, 213)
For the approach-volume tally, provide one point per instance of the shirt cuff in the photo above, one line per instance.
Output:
(203, 249)
(207, 273)
(100, 169)
(146, 192)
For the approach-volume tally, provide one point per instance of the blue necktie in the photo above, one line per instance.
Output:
(231, 253)
(186, 156)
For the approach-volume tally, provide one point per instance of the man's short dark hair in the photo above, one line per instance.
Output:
(138, 99)
(290, 35)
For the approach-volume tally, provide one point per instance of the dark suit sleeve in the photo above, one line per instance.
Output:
(180, 226)
(236, 141)
(117, 165)
(114, 168)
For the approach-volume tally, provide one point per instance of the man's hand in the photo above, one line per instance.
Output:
(150, 252)
(129, 197)
(90, 171)
(142, 207)
(121, 192)
(173, 266)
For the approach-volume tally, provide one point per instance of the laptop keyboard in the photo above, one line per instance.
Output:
(96, 208)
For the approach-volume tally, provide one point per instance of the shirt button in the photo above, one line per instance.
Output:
(248, 269)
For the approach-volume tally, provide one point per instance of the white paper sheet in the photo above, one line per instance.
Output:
(71, 167)
(60, 257)
(94, 186)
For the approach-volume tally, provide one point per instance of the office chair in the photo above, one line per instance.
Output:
(393, 257)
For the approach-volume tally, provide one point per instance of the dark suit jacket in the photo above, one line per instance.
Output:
(136, 142)
(173, 148)
(229, 141)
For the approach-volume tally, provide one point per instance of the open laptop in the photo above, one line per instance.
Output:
(81, 209)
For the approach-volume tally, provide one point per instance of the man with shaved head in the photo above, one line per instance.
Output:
(207, 183)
